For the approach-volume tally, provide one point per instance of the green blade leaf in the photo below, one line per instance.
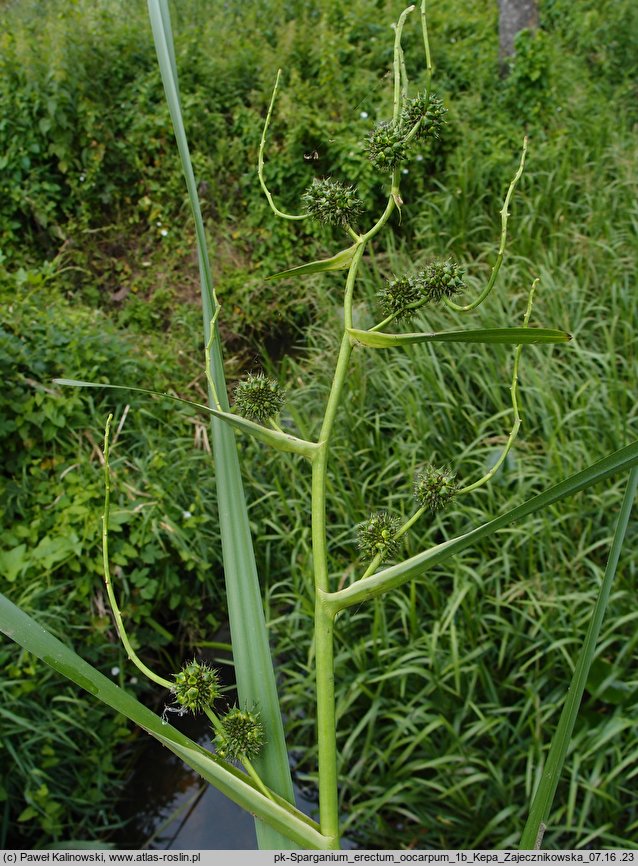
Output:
(338, 262)
(513, 336)
(277, 440)
(24, 630)
(544, 796)
(396, 575)
(256, 682)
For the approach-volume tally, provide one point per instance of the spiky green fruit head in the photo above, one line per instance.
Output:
(196, 686)
(397, 295)
(441, 279)
(434, 488)
(259, 398)
(386, 146)
(332, 203)
(376, 535)
(243, 735)
(431, 114)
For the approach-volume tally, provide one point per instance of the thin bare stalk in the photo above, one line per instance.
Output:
(464, 308)
(397, 66)
(117, 616)
(517, 418)
(260, 169)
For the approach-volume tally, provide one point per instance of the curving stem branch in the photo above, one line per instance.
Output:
(117, 616)
(398, 66)
(464, 308)
(514, 393)
(260, 168)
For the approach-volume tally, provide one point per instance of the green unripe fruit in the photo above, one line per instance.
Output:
(386, 147)
(441, 279)
(397, 295)
(376, 535)
(430, 115)
(259, 398)
(196, 686)
(434, 488)
(243, 735)
(332, 203)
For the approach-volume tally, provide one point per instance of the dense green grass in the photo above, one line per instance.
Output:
(450, 689)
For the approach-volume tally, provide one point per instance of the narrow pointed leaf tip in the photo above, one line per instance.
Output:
(512, 336)
(339, 262)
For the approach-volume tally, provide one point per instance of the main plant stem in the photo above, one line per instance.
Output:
(324, 619)
(324, 615)
(326, 723)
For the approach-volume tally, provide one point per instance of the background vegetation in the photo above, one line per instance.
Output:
(448, 690)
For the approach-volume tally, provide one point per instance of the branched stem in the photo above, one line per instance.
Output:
(328, 603)
(324, 618)
(464, 308)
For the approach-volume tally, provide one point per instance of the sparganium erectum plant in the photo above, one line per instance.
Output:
(253, 731)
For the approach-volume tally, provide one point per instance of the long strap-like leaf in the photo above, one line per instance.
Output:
(278, 441)
(396, 575)
(251, 652)
(544, 797)
(509, 336)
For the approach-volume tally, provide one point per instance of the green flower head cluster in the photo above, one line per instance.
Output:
(441, 280)
(259, 398)
(243, 735)
(196, 686)
(332, 203)
(430, 112)
(434, 488)
(386, 145)
(402, 296)
(397, 295)
(376, 535)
